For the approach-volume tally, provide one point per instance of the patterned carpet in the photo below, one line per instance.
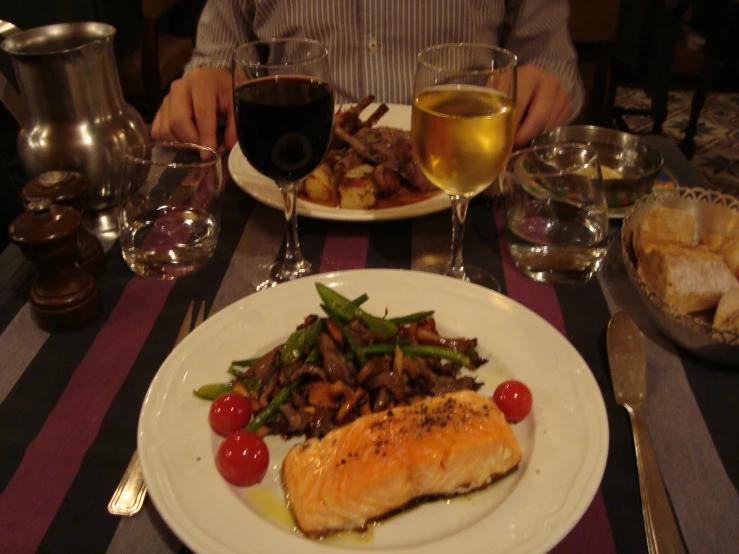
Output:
(717, 141)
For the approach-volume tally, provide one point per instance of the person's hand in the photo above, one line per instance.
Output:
(193, 107)
(542, 104)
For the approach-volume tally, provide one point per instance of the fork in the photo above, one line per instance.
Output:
(129, 497)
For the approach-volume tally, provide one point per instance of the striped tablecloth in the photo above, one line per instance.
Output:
(70, 402)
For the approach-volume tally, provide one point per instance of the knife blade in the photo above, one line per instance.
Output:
(627, 358)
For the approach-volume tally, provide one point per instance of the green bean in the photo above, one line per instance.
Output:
(271, 409)
(410, 318)
(347, 310)
(361, 299)
(235, 371)
(244, 363)
(250, 383)
(314, 356)
(213, 391)
(353, 346)
(417, 350)
(340, 305)
(299, 341)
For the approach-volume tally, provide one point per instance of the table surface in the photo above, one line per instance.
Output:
(70, 401)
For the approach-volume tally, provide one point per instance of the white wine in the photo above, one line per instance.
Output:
(462, 136)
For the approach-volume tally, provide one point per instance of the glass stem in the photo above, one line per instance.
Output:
(293, 254)
(459, 214)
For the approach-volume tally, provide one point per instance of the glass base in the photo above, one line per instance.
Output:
(554, 277)
(557, 265)
(472, 274)
(272, 274)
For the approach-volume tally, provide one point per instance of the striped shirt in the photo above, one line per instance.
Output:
(373, 44)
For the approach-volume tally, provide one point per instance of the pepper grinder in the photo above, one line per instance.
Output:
(69, 188)
(64, 296)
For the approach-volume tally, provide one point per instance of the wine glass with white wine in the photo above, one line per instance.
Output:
(462, 128)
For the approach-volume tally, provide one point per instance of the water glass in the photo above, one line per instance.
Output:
(169, 198)
(556, 216)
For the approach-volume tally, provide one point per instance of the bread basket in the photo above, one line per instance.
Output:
(715, 213)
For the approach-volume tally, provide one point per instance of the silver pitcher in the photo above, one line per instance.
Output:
(76, 116)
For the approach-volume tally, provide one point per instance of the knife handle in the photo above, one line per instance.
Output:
(663, 535)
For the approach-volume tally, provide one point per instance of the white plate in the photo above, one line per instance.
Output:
(564, 439)
(265, 190)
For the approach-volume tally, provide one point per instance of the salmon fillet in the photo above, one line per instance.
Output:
(380, 463)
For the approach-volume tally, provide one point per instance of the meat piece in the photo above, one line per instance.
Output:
(329, 395)
(382, 462)
(267, 366)
(416, 177)
(446, 384)
(374, 366)
(387, 181)
(395, 146)
(333, 360)
(348, 118)
(388, 380)
(347, 162)
(462, 345)
(297, 421)
(294, 371)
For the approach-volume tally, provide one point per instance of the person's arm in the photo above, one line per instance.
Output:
(550, 89)
(191, 110)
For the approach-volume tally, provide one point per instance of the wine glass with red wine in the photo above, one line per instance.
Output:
(284, 109)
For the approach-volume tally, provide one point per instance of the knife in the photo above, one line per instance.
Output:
(627, 357)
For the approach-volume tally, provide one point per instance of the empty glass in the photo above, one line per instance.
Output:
(555, 212)
(169, 198)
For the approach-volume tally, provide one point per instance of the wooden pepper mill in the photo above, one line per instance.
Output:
(64, 296)
(69, 188)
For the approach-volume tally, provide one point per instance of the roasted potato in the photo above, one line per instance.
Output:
(357, 193)
(319, 186)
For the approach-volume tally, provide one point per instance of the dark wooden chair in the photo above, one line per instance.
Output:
(725, 17)
(659, 51)
(593, 27)
(162, 54)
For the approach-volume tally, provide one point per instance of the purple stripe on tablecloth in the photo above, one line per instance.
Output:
(593, 532)
(344, 249)
(30, 501)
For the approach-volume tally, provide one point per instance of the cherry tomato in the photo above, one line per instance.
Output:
(242, 458)
(228, 413)
(514, 400)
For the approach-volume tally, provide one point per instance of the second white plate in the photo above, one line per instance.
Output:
(265, 190)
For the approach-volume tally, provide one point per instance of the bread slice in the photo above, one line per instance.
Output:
(727, 312)
(691, 279)
(664, 224)
(715, 243)
(731, 255)
(727, 246)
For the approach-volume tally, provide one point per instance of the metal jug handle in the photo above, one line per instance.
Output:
(9, 96)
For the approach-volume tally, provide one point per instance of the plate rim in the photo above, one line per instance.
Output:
(253, 183)
(597, 450)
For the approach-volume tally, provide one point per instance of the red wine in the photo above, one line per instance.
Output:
(284, 124)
